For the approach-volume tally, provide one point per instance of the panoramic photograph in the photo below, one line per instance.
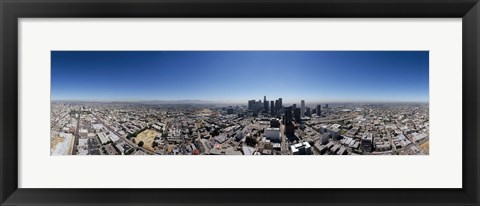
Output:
(239, 103)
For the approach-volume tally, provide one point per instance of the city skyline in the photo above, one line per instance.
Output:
(190, 101)
(258, 129)
(239, 76)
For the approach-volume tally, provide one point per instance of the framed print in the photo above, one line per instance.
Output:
(215, 122)
(257, 102)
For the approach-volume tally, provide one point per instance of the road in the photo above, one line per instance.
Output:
(284, 140)
(392, 144)
(75, 143)
(417, 145)
(133, 145)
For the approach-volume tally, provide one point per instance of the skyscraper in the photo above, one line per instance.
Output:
(272, 107)
(251, 104)
(265, 104)
(277, 105)
(281, 104)
(302, 105)
(308, 112)
(287, 116)
(297, 115)
(287, 121)
(319, 110)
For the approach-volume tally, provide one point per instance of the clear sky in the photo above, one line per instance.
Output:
(237, 76)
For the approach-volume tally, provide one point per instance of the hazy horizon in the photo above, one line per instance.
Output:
(231, 102)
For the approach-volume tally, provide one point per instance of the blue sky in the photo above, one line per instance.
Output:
(237, 76)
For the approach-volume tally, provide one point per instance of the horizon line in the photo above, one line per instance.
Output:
(227, 102)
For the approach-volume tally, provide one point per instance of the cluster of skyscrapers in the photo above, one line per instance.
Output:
(291, 115)
(276, 108)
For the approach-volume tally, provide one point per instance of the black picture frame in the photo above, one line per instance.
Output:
(11, 10)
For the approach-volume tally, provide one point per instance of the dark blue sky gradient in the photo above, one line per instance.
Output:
(236, 76)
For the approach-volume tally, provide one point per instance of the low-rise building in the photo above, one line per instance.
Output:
(273, 134)
(303, 148)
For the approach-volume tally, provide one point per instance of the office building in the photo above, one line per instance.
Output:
(319, 110)
(265, 104)
(274, 123)
(251, 104)
(287, 116)
(230, 110)
(287, 121)
(277, 106)
(257, 105)
(325, 138)
(367, 142)
(303, 148)
(273, 134)
(302, 106)
(297, 115)
(272, 107)
(290, 132)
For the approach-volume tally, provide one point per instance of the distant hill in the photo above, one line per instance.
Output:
(176, 102)
(149, 102)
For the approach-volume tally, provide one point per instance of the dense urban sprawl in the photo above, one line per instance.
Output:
(256, 128)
